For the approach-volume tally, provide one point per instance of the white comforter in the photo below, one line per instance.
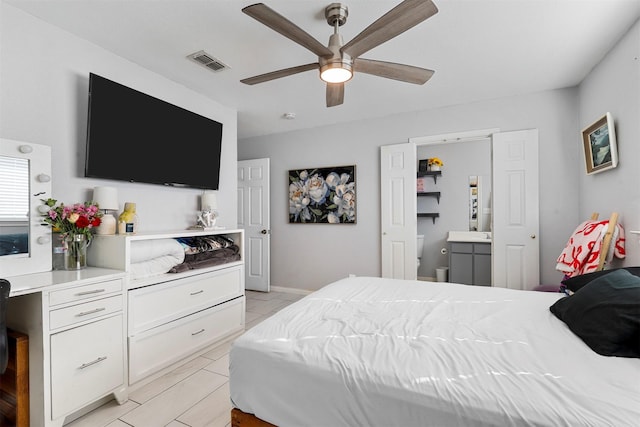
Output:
(381, 352)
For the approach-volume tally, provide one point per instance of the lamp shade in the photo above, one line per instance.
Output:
(106, 198)
(209, 201)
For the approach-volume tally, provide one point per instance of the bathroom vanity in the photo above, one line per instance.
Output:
(470, 257)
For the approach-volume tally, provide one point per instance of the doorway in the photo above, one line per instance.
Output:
(254, 218)
(461, 202)
(399, 214)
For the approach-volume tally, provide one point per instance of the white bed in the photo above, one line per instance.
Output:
(381, 352)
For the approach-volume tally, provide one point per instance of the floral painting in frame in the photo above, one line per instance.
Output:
(323, 195)
(600, 148)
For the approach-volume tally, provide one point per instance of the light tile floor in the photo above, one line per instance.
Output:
(194, 394)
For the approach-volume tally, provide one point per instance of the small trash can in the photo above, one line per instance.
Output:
(441, 274)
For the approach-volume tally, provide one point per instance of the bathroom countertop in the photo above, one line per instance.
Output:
(470, 236)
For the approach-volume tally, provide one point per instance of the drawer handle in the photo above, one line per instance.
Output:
(196, 293)
(85, 313)
(95, 291)
(199, 332)
(98, 360)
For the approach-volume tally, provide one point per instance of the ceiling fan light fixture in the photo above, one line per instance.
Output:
(336, 61)
(336, 72)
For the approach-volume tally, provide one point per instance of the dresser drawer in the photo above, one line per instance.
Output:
(80, 293)
(87, 363)
(155, 305)
(166, 344)
(82, 312)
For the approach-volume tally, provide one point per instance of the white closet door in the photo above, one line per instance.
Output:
(516, 252)
(398, 210)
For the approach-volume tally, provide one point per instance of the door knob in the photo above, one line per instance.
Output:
(533, 236)
(263, 232)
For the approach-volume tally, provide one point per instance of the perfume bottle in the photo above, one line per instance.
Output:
(128, 219)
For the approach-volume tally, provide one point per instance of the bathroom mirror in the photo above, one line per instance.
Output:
(475, 220)
(25, 179)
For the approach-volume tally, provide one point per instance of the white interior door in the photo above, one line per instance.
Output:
(399, 224)
(516, 254)
(253, 217)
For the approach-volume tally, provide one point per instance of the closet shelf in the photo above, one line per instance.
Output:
(435, 194)
(432, 215)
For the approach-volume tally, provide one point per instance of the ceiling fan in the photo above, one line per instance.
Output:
(337, 62)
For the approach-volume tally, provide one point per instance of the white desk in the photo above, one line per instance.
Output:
(76, 324)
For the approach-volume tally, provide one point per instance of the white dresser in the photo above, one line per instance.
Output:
(173, 317)
(76, 322)
(96, 332)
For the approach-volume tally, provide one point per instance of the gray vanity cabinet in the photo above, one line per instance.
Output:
(470, 263)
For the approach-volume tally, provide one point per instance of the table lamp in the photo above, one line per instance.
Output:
(107, 200)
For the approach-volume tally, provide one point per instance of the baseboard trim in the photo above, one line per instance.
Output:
(290, 290)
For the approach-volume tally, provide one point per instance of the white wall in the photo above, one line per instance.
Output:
(310, 256)
(614, 86)
(567, 194)
(43, 99)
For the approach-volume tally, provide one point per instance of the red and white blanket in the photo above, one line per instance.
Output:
(582, 253)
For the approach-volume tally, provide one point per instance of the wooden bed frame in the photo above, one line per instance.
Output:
(242, 419)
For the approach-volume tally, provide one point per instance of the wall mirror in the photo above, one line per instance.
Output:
(14, 205)
(25, 179)
(475, 222)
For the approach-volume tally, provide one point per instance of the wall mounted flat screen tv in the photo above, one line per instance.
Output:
(132, 136)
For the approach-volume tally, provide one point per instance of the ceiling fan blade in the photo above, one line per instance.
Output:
(280, 73)
(335, 94)
(404, 16)
(282, 25)
(391, 70)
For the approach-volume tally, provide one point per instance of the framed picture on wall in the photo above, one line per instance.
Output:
(323, 195)
(599, 141)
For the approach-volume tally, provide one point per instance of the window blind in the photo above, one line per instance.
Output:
(14, 187)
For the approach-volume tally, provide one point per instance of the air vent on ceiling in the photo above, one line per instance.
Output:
(206, 60)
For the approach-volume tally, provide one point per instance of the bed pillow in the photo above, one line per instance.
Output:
(577, 282)
(605, 314)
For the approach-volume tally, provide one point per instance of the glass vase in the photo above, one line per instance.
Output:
(75, 252)
(58, 248)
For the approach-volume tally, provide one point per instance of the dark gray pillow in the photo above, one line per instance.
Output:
(605, 314)
(577, 282)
